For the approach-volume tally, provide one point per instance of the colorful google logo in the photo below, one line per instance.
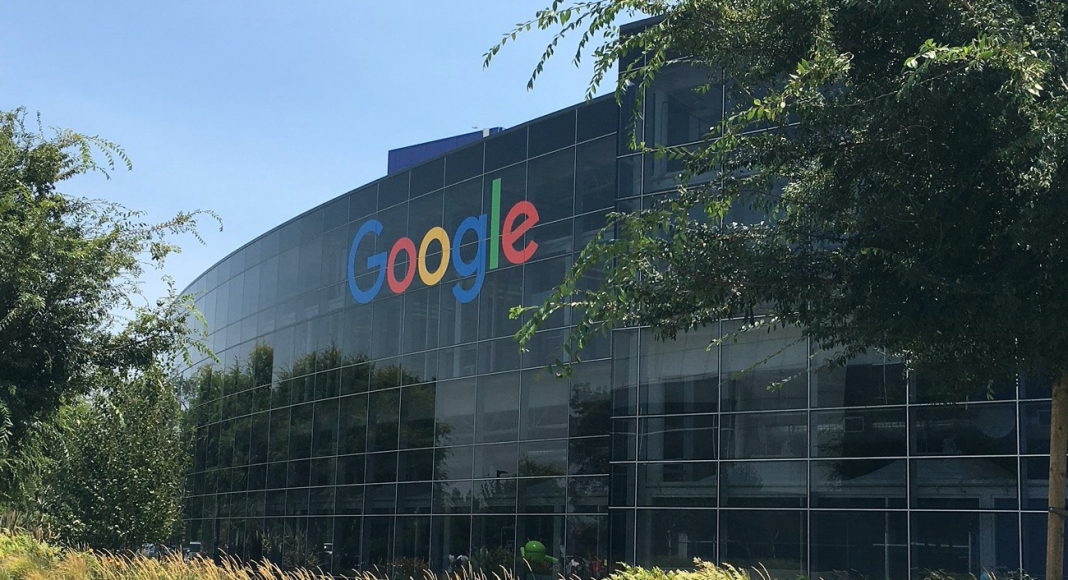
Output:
(502, 238)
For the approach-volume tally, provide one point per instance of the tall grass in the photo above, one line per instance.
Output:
(25, 557)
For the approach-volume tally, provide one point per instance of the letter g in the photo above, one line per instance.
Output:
(375, 261)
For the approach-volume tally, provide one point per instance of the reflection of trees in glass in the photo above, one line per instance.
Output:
(217, 422)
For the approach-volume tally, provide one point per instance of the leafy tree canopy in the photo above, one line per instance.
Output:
(909, 158)
(70, 313)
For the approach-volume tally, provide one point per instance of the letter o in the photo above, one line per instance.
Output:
(435, 234)
(398, 286)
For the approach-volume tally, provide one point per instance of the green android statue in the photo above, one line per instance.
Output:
(539, 562)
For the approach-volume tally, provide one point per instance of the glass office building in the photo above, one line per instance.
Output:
(370, 407)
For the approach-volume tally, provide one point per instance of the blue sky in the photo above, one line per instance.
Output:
(262, 110)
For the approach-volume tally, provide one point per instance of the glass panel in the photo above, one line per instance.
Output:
(964, 483)
(346, 554)
(464, 163)
(544, 406)
(859, 433)
(964, 543)
(382, 467)
(587, 494)
(452, 497)
(417, 416)
(679, 376)
(764, 483)
(455, 412)
(300, 427)
(506, 148)
(860, 483)
(495, 495)
(427, 176)
(868, 544)
(352, 430)
(414, 498)
(624, 372)
(415, 465)
(764, 435)
(588, 456)
(382, 410)
(1034, 427)
(377, 543)
(973, 429)
(497, 408)
(865, 380)
(325, 434)
(771, 540)
(501, 290)
(543, 458)
(596, 175)
(393, 190)
(450, 538)
(552, 133)
(350, 469)
(677, 437)
(496, 461)
(690, 484)
(587, 547)
(671, 539)
(590, 391)
(493, 544)
(598, 117)
(551, 185)
(453, 462)
(785, 358)
(542, 495)
(677, 114)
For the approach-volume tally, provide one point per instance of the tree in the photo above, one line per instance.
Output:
(70, 312)
(115, 465)
(89, 419)
(908, 157)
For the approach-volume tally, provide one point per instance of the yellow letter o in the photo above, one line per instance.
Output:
(435, 234)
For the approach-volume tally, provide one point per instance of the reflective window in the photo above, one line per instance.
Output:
(496, 461)
(779, 382)
(859, 433)
(382, 410)
(976, 429)
(455, 412)
(866, 380)
(544, 405)
(417, 416)
(677, 437)
(552, 133)
(679, 376)
(599, 117)
(427, 177)
(551, 185)
(964, 483)
(965, 543)
(871, 544)
(763, 484)
(686, 484)
(497, 408)
(543, 458)
(673, 538)
(750, 538)
(764, 435)
(859, 483)
(506, 148)
(464, 163)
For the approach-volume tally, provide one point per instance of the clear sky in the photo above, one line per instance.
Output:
(261, 110)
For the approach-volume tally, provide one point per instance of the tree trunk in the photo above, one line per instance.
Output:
(1058, 449)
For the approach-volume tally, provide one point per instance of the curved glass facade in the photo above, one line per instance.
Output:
(371, 408)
